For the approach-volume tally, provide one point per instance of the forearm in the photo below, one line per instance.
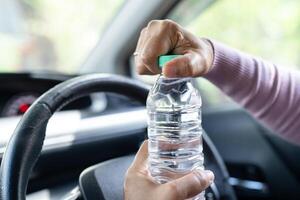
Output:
(269, 93)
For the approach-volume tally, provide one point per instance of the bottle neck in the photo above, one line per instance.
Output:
(163, 79)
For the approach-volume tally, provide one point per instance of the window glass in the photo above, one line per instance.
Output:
(52, 35)
(269, 29)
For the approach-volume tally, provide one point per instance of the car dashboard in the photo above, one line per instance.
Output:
(19, 91)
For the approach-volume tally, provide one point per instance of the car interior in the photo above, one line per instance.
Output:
(72, 64)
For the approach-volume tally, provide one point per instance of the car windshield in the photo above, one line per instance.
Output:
(51, 35)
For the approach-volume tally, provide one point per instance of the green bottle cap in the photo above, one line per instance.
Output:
(162, 60)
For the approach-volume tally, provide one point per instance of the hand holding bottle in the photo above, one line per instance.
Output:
(162, 37)
(140, 185)
(170, 102)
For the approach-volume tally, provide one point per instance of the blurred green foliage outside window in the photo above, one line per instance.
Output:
(51, 35)
(269, 29)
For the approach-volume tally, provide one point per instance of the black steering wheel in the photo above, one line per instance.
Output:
(102, 181)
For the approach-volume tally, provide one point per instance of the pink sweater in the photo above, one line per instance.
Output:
(269, 93)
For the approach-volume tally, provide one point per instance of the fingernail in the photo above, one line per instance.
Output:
(210, 175)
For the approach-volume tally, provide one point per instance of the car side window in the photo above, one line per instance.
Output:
(267, 29)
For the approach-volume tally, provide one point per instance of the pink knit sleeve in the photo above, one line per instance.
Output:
(269, 93)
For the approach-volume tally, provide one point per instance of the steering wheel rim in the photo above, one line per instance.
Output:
(25, 145)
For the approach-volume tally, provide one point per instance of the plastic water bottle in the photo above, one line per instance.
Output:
(174, 128)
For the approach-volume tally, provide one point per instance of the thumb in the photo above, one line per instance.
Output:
(192, 184)
(188, 65)
(140, 160)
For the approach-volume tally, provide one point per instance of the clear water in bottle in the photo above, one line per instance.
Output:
(174, 129)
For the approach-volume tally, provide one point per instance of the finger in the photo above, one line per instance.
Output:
(140, 67)
(157, 41)
(143, 70)
(141, 40)
(188, 65)
(140, 160)
(191, 184)
(153, 47)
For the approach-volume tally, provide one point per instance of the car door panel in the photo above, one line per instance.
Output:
(249, 154)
